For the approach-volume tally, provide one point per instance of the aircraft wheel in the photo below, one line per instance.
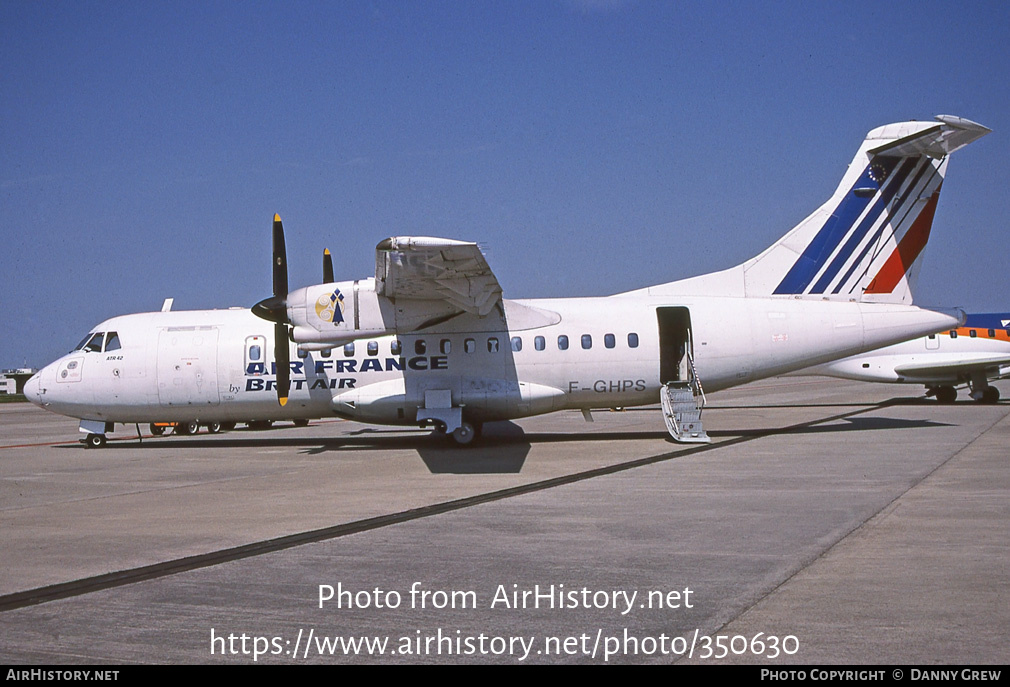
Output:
(95, 441)
(156, 430)
(946, 394)
(260, 424)
(227, 426)
(990, 395)
(187, 428)
(301, 423)
(213, 427)
(464, 434)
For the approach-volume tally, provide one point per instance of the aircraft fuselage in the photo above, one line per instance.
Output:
(539, 356)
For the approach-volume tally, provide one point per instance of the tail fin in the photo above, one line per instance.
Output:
(865, 242)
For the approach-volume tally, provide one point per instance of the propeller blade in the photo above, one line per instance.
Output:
(280, 260)
(327, 266)
(282, 359)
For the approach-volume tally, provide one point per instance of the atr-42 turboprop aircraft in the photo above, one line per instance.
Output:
(430, 341)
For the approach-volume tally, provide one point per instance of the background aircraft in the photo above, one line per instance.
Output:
(430, 340)
(972, 354)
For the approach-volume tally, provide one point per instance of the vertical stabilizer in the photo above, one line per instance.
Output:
(866, 241)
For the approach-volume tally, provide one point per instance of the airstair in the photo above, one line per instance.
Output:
(682, 402)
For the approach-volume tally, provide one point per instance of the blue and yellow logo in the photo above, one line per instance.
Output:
(331, 307)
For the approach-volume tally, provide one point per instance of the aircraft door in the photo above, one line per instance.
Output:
(674, 343)
(187, 366)
(933, 341)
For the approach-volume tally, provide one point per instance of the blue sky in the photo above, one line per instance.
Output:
(590, 147)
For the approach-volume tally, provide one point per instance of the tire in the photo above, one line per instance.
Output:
(187, 428)
(990, 395)
(156, 430)
(301, 423)
(213, 427)
(946, 394)
(464, 434)
(227, 426)
(95, 441)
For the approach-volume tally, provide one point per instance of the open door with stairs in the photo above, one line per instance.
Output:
(681, 395)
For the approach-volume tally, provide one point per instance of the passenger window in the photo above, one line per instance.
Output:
(349, 349)
(95, 345)
(395, 347)
(420, 346)
(539, 343)
(517, 344)
(445, 345)
(112, 342)
(325, 353)
(587, 341)
(373, 348)
(255, 354)
(992, 333)
(469, 345)
(302, 353)
(492, 345)
(953, 333)
(632, 340)
(609, 340)
(563, 342)
(972, 333)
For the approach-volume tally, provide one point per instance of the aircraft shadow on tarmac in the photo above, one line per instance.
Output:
(504, 447)
(847, 424)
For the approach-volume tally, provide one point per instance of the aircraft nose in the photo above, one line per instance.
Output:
(33, 389)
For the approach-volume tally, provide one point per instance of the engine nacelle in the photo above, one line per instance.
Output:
(344, 311)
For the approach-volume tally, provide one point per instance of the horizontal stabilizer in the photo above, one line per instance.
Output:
(942, 139)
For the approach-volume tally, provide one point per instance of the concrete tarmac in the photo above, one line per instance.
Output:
(828, 522)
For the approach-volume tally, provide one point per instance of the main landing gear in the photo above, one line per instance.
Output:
(944, 394)
(948, 394)
(463, 435)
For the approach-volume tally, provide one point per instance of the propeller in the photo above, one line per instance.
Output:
(327, 266)
(275, 309)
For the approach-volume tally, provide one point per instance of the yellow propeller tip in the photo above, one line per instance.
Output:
(277, 218)
(283, 400)
(326, 251)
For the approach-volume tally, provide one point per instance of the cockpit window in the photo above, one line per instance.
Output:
(112, 342)
(80, 346)
(95, 343)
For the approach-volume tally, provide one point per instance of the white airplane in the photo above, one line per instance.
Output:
(971, 354)
(430, 341)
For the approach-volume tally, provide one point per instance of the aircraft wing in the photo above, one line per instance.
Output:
(990, 364)
(426, 268)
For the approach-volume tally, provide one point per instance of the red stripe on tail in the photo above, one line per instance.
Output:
(907, 251)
